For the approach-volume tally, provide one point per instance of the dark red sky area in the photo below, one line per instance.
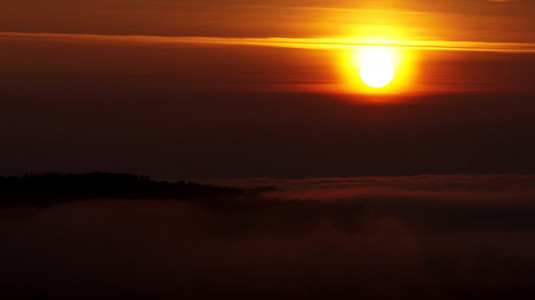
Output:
(236, 111)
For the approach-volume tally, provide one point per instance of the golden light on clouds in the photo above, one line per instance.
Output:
(333, 43)
(333, 64)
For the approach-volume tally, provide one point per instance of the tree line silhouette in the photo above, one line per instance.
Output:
(45, 189)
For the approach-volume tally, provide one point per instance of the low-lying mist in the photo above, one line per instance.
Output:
(423, 237)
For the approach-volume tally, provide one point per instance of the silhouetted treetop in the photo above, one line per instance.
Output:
(54, 187)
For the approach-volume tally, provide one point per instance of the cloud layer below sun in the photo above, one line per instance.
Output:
(435, 237)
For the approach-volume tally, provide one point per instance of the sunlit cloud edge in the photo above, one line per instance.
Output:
(301, 43)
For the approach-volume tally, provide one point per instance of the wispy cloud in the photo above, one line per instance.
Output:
(301, 43)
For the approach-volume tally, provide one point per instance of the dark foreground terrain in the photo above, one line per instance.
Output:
(52, 188)
(110, 236)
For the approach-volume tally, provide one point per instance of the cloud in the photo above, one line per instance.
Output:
(473, 187)
(298, 43)
(374, 245)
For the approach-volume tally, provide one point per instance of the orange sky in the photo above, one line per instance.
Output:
(455, 25)
(456, 20)
(243, 88)
(267, 64)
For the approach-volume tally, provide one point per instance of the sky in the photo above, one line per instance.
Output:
(224, 89)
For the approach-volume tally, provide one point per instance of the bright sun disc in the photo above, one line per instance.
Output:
(377, 69)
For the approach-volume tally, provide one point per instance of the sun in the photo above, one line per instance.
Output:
(377, 69)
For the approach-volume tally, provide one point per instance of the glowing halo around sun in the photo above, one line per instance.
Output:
(377, 69)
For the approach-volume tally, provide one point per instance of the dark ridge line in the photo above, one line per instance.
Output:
(53, 188)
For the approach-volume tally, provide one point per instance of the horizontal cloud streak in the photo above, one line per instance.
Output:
(299, 43)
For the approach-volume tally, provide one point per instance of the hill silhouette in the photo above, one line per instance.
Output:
(46, 189)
